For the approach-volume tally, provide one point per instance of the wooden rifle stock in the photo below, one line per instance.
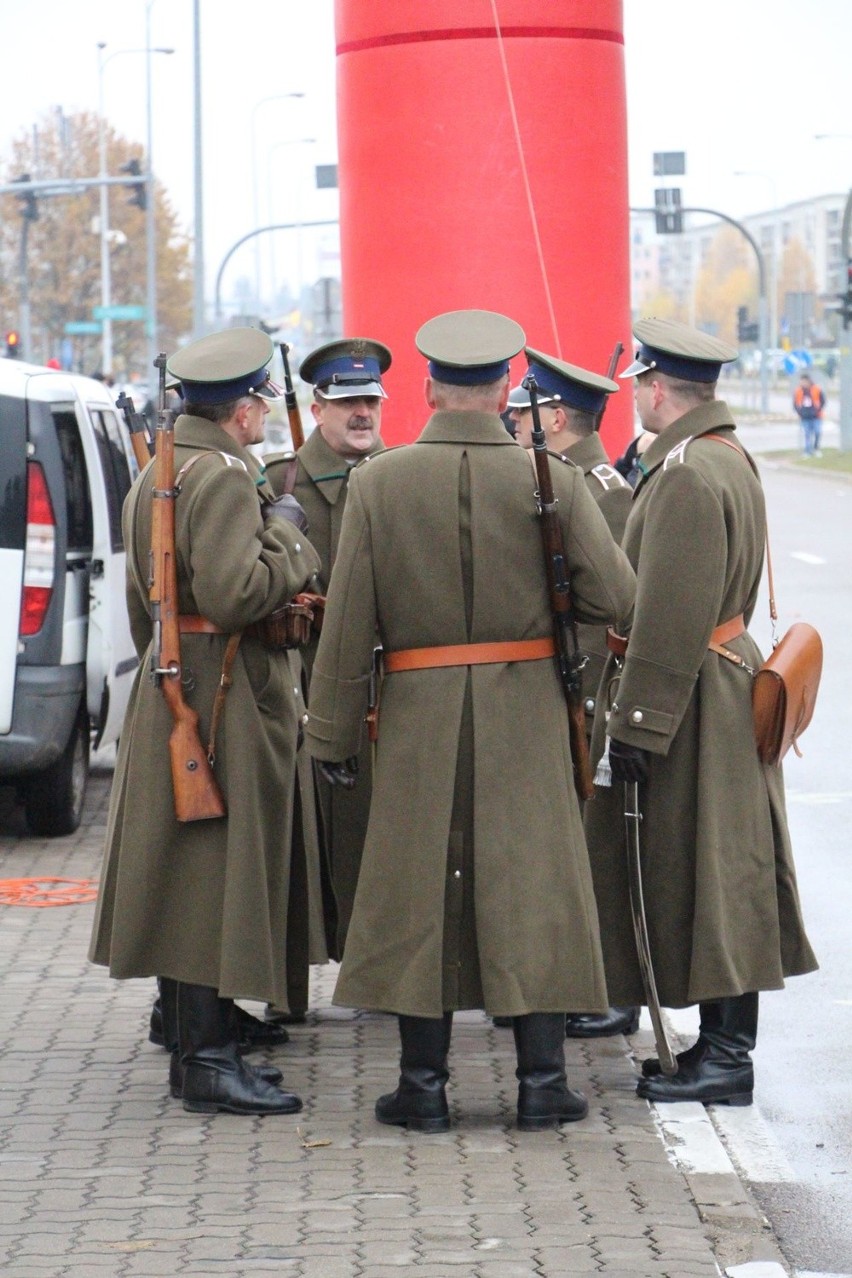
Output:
(617, 352)
(564, 627)
(137, 429)
(294, 417)
(196, 791)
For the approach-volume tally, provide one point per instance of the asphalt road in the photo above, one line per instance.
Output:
(795, 1147)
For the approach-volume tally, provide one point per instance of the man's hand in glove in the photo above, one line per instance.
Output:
(286, 507)
(344, 774)
(629, 763)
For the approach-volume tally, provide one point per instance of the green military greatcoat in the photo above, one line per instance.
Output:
(613, 495)
(207, 902)
(322, 483)
(475, 888)
(719, 883)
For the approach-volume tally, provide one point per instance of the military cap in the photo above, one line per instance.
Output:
(567, 384)
(678, 350)
(224, 366)
(469, 348)
(347, 369)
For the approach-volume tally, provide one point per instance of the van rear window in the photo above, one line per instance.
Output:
(78, 504)
(13, 472)
(115, 467)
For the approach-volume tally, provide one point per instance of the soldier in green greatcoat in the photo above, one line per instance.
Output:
(346, 379)
(206, 905)
(720, 891)
(572, 401)
(474, 889)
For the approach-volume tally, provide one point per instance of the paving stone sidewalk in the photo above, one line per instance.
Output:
(102, 1173)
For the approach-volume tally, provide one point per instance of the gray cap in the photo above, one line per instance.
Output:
(680, 351)
(347, 369)
(224, 366)
(519, 397)
(469, 348)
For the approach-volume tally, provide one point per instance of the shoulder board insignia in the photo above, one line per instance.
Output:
(678, 453)
(608, 477)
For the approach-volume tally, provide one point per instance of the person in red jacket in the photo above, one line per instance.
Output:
(809, 402)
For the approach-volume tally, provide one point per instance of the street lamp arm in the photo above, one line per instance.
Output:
(261, 230)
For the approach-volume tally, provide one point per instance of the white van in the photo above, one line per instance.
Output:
(67, 660)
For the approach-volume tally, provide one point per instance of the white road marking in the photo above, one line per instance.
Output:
(753, 1149)
(806, 558)
(756, 1269)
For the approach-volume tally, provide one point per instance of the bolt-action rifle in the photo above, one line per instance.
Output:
(197, 794)
(294, 417)
(569, 658)
(137, 428)
(617, 352)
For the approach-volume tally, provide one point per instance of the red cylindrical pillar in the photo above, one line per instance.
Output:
(483, 163)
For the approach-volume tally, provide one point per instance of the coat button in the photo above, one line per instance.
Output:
(637, 716)
(456, 874)
(297, 547)
(305, 718)
(590, 705)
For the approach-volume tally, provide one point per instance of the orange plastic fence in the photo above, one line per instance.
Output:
(42, 892)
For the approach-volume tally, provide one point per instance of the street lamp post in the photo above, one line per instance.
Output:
(277, 97)
(845, 342)
(150, 224)
(298, 212)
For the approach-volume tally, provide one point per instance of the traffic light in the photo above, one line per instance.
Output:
(139, 196)
(668, 211)
(13, 344)
(747, 330)
(28, 201)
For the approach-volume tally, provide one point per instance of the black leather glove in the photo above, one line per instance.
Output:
(344, 774)
(286, 507)
(628, 763)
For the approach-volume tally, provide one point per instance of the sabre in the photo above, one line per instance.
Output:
(632, 818)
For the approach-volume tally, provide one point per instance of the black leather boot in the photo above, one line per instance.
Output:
(215, 1077)
(720, 1071)
(544, 1099)
(615, 1020)
(709, 1015)
(420, 1101)
(254, 1035)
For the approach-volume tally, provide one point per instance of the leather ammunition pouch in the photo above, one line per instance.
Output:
(291, 626)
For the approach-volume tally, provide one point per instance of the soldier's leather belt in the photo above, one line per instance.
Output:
(723, 634)
(468, 654)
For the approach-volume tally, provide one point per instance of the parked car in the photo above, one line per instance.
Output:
(67, 660)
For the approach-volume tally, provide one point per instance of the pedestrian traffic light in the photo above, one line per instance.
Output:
(13, 344)
(138, 196)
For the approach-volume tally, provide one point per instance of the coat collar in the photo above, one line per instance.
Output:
(587, 453)
(204, 436)
(446, 427)
(328, 470)
(698, 421)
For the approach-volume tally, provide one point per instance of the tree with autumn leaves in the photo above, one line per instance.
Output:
(63, 248)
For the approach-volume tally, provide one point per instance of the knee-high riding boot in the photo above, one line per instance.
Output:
(215, 1077)
(420, 1101)
(544, 1099)
(719, 1069)
(709, 1015)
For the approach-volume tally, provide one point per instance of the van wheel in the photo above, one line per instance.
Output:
(53, 799)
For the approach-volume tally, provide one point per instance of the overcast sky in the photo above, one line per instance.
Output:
(738, 85)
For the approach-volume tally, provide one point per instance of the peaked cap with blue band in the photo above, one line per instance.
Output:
(678, 350)
(222, 367)
(469, 348)
(559, 382)
(348, 369)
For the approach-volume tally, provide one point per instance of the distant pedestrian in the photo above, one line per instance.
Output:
(809, 402)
